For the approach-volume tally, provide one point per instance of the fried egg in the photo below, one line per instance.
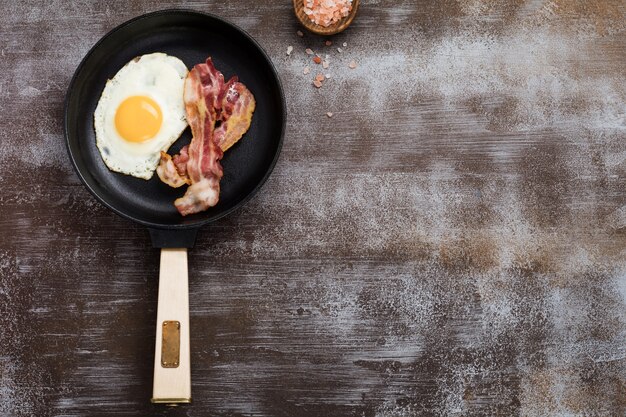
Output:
(141, 113)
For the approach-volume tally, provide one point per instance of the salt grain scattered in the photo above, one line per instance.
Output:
(306, 70)
(327, 76)
(308, 51)
(352, 65)
(339, 50)
(329, 114)
(289, 49)
(325, 64)
(345, 44)
(299, 33)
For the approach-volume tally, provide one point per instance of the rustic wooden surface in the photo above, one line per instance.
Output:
(451, 242)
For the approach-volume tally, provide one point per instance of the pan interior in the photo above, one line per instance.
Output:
(192, 37)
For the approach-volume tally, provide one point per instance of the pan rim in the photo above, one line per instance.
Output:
(199, 223)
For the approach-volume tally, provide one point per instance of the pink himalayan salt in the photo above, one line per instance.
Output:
(327, 12)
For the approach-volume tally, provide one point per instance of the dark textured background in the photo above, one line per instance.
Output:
(451, 242)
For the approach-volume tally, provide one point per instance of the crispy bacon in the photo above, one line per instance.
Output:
(203, 87)
(237, 105)
(181, 160)
(169, 172)
(219, 114)
(173, 170)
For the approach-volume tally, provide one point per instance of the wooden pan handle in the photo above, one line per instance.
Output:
(172, 370)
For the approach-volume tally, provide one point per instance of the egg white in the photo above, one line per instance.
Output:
(160, 77)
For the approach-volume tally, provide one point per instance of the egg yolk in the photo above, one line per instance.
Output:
(138, 118)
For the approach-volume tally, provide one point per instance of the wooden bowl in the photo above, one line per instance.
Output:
(298, 7)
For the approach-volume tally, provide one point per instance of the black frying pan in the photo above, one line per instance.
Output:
(192, 37)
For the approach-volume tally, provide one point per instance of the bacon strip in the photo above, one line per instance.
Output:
(203, 86)
(169, 172)
(238, 104)
(209, 102)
